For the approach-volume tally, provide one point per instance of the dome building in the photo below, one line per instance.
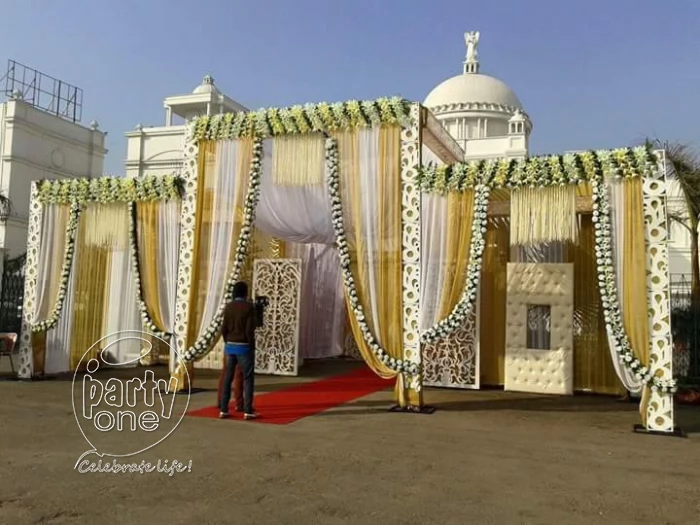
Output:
(481, 112)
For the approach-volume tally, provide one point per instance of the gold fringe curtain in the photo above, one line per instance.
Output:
(299, 160)
(386, 251)
(543, 215)
(493, 299)
(207, 220)
(460, 216)
(92, 281)
(107, 225)
(593, 367)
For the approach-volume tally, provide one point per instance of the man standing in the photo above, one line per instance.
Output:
(238, 331)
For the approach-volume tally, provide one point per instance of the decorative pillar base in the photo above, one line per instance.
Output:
(677, 431)
(424, 409)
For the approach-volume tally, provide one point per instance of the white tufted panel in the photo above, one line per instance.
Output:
(540, 371)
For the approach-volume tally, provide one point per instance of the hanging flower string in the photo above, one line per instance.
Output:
(310, 118)
(465, 307)
(536, 172)
(608, 290)
(110, 189)
(205, 341)
(333, 176)
(146, 318)
(69, 251)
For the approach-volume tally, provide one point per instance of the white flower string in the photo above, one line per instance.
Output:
(146, 319)
(465, 307)
(333, 177)
(205, 341)
(68, 253)
(310, 118)
(609, 295)
(105, 190)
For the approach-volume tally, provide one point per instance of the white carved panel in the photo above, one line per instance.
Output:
(410, 249)
(453, 361)
(36, 210)
(660, 410)
(537, 370)
(277, 341)
(187, 232)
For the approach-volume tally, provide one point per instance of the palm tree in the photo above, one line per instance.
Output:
(683, 164)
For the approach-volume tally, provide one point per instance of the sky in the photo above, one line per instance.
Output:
(591, 74)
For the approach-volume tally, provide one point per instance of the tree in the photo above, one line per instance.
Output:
(683, 164)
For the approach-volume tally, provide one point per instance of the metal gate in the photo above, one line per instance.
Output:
(12, 293)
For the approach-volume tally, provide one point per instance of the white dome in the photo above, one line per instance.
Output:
(207, 86)
(472, 87)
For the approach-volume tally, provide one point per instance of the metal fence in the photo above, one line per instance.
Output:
(11, 294)
(686, 330)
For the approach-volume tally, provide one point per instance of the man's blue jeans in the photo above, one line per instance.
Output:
(247, 363)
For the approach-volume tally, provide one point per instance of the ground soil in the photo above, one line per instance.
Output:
(482, 458)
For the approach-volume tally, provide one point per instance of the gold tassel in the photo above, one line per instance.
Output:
(298, 160)
(543, 215)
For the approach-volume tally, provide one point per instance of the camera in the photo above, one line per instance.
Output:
(261, 302)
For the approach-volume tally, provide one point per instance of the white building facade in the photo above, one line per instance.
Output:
(159, 150)
(34, 145)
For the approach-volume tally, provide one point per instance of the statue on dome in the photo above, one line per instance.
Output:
(472, 40)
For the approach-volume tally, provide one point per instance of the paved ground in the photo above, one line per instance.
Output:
(483, 458)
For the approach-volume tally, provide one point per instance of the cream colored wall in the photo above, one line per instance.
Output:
(37, 145)
(155, 151)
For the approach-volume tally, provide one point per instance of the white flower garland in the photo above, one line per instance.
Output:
(608, 291)
(465, 306)
(146, 319)
(69, 251)
(397, 365)
(203, 344)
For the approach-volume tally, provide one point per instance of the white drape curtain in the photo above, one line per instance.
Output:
(617, 209)
(322, 316)
(53, 240)
(123, 313)
(299, 214)
(168, 253)
(224, 188)
(434, 266)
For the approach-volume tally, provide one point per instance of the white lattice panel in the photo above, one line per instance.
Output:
(410, 248)
(660, 409)
(537, 370)
(187, 232)
(30, 282)
(277, 341)
(453, 361)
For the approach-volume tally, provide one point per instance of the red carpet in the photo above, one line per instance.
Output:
(291, 404)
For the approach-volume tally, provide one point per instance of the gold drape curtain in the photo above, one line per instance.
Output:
(376, 258)
(92, 284)
(634, 300)
(209, 218)
(493, 298)
(148, 229)
(460, 215)
(593, 366)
